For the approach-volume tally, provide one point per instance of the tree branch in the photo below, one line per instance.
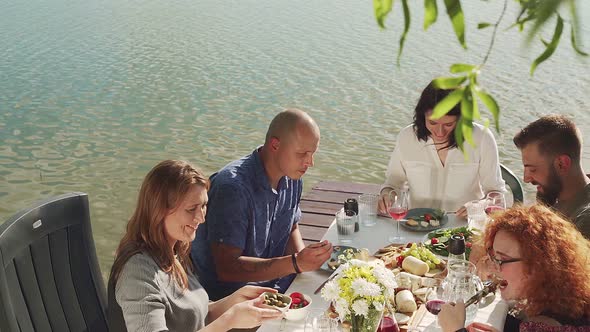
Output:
(496, 25)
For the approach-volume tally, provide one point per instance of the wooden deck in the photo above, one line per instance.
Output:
(320, 205)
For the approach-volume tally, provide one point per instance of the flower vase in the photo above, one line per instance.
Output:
(368, 323)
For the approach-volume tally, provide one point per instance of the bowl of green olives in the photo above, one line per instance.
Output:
(277, 300)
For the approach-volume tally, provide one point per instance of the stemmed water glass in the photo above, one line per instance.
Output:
(495, 202)
(397, 211)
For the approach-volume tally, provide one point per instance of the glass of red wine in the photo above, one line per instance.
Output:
(434, 306)
(495, 202)
(388, 324)
(397, 211)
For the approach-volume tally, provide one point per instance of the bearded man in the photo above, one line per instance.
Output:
(551, 149)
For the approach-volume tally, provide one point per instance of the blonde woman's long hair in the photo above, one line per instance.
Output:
(162, 190)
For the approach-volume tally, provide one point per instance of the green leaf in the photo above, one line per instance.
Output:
(543, 10)
(467, 129)
(546, 43)
(445, 105)
(475, 106)
(446, 83)
(407, 19)
(456, 15)
(483, 25)
(575, 44)
(382, 8)
(459, 136)
(575, 23)
(467, 105)
(491, 105)
(520, 23)
(551, 47)
(461, 68)
(430, 13)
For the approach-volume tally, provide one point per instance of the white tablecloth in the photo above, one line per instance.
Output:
(373, 238)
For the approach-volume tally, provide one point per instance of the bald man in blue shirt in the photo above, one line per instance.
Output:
(251, 233)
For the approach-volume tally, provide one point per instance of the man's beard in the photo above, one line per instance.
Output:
(551, 190)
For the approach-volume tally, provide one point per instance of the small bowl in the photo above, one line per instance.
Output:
(271, 298)
(300, 313)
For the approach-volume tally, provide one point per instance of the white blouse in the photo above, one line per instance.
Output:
(447, 187)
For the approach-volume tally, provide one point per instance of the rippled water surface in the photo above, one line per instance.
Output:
(93, 94)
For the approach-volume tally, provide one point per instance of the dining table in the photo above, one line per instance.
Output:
(373, 238)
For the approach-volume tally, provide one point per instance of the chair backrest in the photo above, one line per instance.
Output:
(49, 274)
(513, 182)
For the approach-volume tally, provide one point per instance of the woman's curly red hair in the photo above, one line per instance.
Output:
(556, 257)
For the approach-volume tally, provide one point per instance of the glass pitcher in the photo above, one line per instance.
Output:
(462, 283)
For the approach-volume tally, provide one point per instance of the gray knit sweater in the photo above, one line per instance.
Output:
(150, 300)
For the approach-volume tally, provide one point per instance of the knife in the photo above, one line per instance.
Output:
(332, 276)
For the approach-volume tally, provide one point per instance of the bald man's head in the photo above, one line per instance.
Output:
(288, 122)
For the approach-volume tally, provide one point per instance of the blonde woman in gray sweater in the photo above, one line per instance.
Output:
(152, 286)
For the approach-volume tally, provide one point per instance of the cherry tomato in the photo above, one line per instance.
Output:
(468, 244)
(296, 295)
(427, 217)
(433, 240)
(400, 260)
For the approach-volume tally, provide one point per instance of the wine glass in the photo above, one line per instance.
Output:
(495, 202)
(318, 321)
(397, 211)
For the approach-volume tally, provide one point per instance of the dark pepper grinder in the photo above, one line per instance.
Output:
(351, 207)
(457, 247)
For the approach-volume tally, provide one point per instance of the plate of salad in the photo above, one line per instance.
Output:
(438, 241)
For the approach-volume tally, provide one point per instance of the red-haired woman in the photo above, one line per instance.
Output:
(544, 262)
(152, 286)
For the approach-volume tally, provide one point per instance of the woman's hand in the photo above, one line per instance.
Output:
(251, 313)
(462, 212)
(384, 202)
(452, 317)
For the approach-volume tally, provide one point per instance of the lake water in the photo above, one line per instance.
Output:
(95, 93)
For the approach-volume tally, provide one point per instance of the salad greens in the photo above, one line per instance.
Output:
(438, 240)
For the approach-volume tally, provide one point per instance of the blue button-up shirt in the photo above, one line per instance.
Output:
(244, 211)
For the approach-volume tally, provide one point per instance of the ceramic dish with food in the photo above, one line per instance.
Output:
(340, 255)
(299, 307)
(277, 300)
(438, 241)
(424, 219)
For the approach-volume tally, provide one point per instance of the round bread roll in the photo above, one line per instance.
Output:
(415, 266)
(404, 301)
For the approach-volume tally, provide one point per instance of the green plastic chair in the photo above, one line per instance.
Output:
(50, 280)
(514, 183)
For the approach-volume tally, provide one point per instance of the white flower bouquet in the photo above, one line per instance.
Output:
(358, 293)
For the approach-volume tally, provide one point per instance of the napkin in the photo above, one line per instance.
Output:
(497, 317)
